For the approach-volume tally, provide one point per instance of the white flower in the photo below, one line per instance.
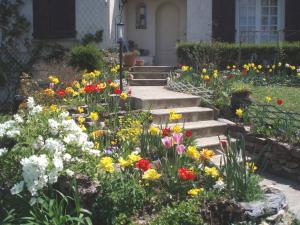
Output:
(18, 118)
(58, 163)
(39, 143)
(3, 151)
(17, 188)
(67, 157)
(64, 115)
(71, 139)
(13, 133)
(55, 146)
(94, 152)
(70, 173)
(219, 185)
(36, 109)
(53, 176)
(30, 102)
(287, 65)
(34, 172)
(53, 126)
(32, 201)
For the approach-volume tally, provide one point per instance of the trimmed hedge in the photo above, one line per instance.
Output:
(222, 54)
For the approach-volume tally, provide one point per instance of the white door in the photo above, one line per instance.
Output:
(167, 34)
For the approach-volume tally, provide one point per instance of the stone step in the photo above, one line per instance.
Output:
(150, 75)
(206, 128)
(147, 82)
(165, 103)
(212, 142)
(151, 69)
(189, 114)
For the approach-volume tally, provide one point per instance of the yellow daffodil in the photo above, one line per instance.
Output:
(80, 109)
(97, 145)
(195, 191)
(82, 127)
(94, 116)
(186, 68)
(54, 108)
(124, 163)
(133, 157)
(177, 129)
(123, 96)
(49, 91)
(154, 130)
(206, 154)
(53, 79)
(106, 163)
(113, 85)
(174, 116)
(239, 112)
(76, 84)
(193, 153)
(80, 119)
(151, 174)
(83, 82)
(204, 70)
(69, 90)
(211, 171)
(251, 166)
(259, 67)
(268, 99)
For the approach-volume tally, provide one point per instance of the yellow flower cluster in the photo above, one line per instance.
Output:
(268, 99)
(115, 69)
(53, 108)
(193, 153)
(49, 91)
(211, 171)
(132, 158)
(195, 191)
(251, 166)
(151, 174)
(94, 116)
(131, 131)
(53, 79)
(177, 129)
(174, 116)
(106, 164)
(154, 130)
(186, 68)
(91, 75)
(123, 96)
(206, 154)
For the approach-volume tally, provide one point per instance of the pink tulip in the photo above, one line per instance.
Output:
(180, 149)
(178, 138)
(167, 142)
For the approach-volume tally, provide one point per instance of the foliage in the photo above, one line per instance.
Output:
(92, 38)
(186, 212)
(241, 182)
(223, 54)
(119, 195)
(87, 57)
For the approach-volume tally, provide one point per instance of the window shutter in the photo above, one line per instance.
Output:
(223, 25)
(292, 21)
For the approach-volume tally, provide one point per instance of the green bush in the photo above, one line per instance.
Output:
(186, 213)
(119, 196)
(222, 54)
(86, 57)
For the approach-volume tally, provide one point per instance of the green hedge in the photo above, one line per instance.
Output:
(222, 54)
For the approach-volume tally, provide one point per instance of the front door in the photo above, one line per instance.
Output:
(167, 34)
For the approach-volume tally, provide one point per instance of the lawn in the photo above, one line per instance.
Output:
(289, 95)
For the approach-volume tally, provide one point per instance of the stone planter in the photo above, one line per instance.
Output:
(130, 60)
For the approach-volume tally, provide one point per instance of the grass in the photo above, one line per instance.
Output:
(289, 95)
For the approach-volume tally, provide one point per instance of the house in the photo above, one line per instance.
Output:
(157, 25)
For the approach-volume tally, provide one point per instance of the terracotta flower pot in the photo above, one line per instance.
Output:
(140, 62)
(130, 60)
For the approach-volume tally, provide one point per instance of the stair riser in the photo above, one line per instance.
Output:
(186, 117)
(147, 82)
(209, 131)
(150, 75)
(151, 69)
(165, 103)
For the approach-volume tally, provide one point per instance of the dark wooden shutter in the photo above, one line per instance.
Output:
(54, 18)
(223, 25)
(292, 20)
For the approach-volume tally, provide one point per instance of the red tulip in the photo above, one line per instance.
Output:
(188, 133)
(279, 101)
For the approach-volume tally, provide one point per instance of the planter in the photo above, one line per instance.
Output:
(129, 60)
(140, 62)
(240, 99)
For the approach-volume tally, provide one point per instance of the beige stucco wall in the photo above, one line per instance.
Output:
(199, 20)
(145, 38)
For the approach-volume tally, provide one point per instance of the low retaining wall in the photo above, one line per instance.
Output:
(276, 157)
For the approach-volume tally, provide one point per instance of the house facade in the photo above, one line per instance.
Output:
(156, 26)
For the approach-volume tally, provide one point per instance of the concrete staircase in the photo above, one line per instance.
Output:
(149, 75)
(160, 101)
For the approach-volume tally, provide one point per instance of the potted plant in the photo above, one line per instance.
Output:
(140, 62)
(130, 58)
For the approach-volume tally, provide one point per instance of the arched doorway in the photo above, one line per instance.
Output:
(167, 33)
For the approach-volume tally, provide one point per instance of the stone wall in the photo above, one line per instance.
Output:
(276, 157)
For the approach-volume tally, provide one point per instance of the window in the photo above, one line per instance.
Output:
(259, 21)
(141, 16)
